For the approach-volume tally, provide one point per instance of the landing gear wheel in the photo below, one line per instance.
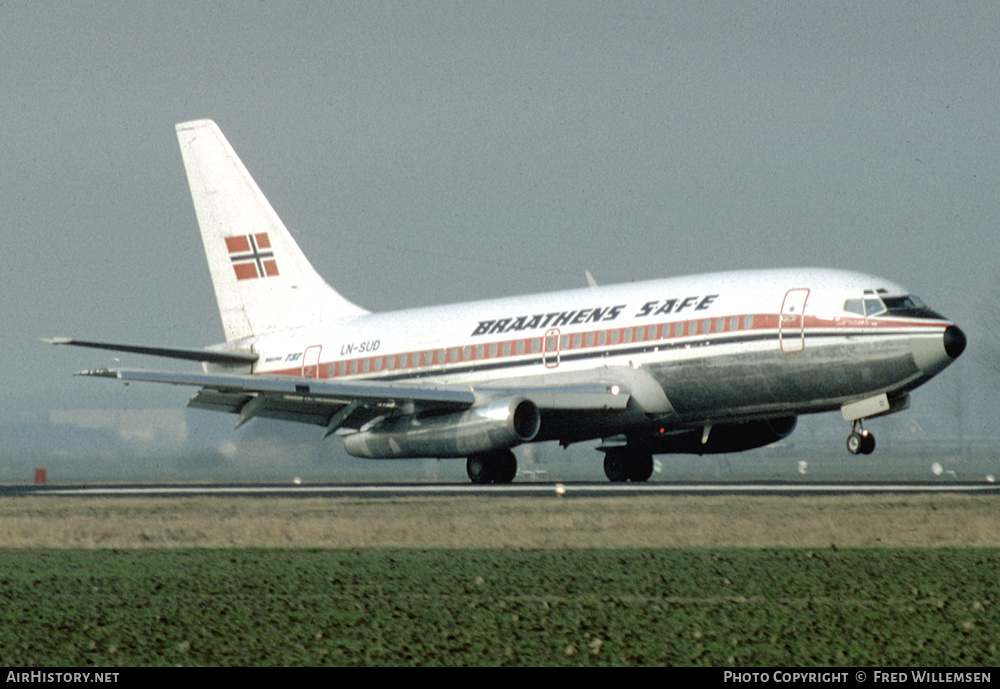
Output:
(860, 442)
(867, 443)
(641, 468)
(623, 464)
(477, 466)
(506, 468)
(854, 443)
(616, 465)
(492, 467)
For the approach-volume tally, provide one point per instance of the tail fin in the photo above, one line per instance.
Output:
(263, 282)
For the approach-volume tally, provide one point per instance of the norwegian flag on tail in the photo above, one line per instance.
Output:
(252, 256)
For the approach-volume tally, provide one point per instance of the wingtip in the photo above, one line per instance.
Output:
(99, 373)
(57, 340)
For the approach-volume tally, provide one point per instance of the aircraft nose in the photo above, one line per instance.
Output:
(954, 341)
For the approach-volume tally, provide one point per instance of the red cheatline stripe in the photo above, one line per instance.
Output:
(583, 341)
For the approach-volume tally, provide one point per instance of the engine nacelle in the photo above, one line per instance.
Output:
(501, 424)
(725, 437)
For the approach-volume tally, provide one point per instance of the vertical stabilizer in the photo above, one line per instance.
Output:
(263, 282)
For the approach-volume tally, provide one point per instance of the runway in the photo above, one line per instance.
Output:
(568, 490)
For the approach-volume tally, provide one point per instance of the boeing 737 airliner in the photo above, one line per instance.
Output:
(704, 364)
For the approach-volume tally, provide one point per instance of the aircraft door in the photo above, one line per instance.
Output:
(791, 323)
(310, 361)
(550, 348)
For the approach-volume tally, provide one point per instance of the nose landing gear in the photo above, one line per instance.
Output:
(860, 441)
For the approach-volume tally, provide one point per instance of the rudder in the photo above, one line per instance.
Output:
(263, 282)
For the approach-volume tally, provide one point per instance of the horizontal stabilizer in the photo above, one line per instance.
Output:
(205, 355)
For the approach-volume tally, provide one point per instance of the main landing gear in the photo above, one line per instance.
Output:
(860, 441)
(498, 466)
(627, 464)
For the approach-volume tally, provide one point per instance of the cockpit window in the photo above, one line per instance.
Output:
(855, 306)
(907, 306)
(869, 306)
(874, 306)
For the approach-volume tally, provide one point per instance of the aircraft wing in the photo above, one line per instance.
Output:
(349, 404)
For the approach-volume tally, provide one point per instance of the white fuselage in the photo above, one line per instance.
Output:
(723, 347)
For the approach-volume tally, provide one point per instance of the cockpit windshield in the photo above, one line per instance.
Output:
(878, 303)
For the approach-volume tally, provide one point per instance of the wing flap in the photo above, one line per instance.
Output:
(282, 408)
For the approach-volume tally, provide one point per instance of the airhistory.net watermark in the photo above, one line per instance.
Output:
(45, 676)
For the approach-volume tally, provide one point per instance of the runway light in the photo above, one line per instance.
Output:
(560, 490)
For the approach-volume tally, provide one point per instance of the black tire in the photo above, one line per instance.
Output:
(854, 443)
(478, 467)
(506, 467)
(616, 465)
(640, 467)
(867, 443)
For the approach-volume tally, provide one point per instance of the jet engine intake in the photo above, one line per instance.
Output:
(497, 425)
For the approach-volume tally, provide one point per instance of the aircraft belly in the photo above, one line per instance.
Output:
(820, 378)
(572, 426)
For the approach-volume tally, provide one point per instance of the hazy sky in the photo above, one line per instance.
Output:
(439, 151)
